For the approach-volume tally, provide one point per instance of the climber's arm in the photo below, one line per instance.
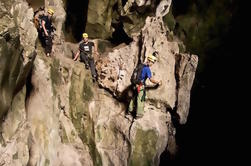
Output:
(155, 81)
(76, 56)
(43, 25)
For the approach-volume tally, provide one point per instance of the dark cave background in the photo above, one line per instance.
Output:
(211, 133)
(76, 17)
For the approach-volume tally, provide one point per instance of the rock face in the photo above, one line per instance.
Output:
(116, 69)
(17, 52)
(163, 8)
(54, 138)
(99, 18)
(17, 49)
(185, 72)
(70, 122)
(62, 118)
(105, 17)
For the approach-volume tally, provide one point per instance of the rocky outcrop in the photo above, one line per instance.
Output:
(99, 18)
(116, 69)
(73, 123)
(176, 71)
(106, 16)
(185, 72)
(55, 140)
(17, 49)
(14, 133)
(163, 8)
(17, 52)
(62, 118)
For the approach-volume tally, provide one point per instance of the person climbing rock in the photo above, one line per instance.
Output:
(47, 31)
(144, 73)
(85, 52)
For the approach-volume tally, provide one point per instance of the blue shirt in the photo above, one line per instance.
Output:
(146, 73)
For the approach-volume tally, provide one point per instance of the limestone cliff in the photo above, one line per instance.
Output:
(17, 49)
(56, 115)
(114, 14)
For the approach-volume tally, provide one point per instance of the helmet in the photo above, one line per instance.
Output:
(85, 35)
(50, 11)
(151, 58)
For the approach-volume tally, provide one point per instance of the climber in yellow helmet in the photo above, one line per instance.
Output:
(50, 11)
(48, 31)
(144, 73)
(85, 52)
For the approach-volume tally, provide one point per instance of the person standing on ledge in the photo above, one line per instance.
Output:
(47, 30)
(85, 52)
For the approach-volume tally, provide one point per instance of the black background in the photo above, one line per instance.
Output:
(214, 129)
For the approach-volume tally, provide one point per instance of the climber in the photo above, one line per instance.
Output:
(145, 73)
(85, 51)
(47, 31)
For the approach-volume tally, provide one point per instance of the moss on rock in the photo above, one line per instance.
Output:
(169, 20)
(47, 162)
(87, 90)
(81, 93)
(144, 148)
(55, 74)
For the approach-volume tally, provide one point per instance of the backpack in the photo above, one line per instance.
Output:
(136, 75)
(38, 23)
(40, 27)
(38, 14)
